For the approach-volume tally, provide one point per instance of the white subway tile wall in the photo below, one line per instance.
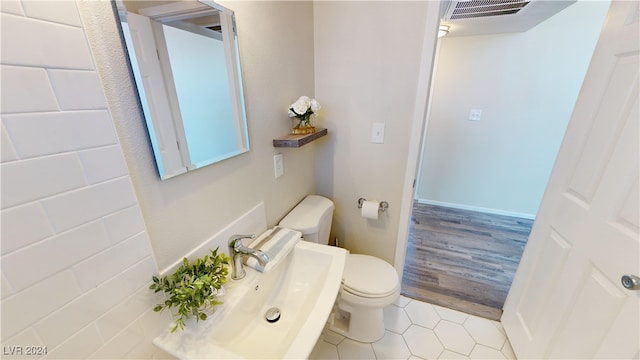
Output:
(73, 130)
(76, 258)
(44, 44)
(24, 89)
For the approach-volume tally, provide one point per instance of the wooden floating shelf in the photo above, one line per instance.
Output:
(294, 141)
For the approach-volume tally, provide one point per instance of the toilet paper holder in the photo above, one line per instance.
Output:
(383, 204)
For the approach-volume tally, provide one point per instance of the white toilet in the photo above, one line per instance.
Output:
(368, 283)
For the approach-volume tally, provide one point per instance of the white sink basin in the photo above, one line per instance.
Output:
(303, 287)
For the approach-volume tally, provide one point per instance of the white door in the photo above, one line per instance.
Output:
(567, 300)
(138, 35)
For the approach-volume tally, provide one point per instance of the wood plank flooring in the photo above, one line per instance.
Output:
(463, 260)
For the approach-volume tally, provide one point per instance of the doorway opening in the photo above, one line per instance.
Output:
(461, 259)
(500, 104)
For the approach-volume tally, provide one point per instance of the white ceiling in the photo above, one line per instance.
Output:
(535, 12)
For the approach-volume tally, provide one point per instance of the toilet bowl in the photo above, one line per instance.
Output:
(368, 283)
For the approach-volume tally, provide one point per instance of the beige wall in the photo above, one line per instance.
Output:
(276, 46)
(363, 70)
(81, 199)
(526, 85)
(367, 64)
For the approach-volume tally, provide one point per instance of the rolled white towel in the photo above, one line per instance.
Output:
(277, 244)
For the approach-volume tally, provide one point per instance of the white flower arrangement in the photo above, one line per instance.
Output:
(303, 108)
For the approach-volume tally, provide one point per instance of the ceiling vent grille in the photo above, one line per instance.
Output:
(483, 8)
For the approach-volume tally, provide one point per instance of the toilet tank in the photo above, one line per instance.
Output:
(312, 217)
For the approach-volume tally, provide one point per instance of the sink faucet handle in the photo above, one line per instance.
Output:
(237, 239)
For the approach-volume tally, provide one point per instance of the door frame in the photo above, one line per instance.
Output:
(418, 128)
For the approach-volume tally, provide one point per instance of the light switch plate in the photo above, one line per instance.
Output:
(475, 114)
(377, 133)
(278, 165)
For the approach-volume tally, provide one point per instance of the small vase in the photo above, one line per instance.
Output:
(303, 127)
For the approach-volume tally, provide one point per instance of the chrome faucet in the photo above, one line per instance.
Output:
(237, 250)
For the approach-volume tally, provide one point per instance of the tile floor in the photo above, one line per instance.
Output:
(418, 330)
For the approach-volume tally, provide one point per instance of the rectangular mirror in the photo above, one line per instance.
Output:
(185, 61)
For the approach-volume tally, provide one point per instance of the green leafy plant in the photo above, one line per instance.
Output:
(193, 287)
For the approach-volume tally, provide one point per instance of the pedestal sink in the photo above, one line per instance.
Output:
(303, 287)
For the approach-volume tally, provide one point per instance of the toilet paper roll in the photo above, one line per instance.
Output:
(370, 209)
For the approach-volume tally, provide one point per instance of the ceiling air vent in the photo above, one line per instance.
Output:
(483, 8)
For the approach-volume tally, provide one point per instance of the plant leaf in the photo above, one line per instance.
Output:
(190, 287)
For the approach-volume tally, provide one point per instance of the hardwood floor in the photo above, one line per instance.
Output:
(463, 260)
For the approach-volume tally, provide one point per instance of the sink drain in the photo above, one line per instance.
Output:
(272, 315)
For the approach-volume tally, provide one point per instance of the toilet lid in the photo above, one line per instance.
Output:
(369, 276)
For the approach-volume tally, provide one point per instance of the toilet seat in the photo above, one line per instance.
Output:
(369, 277)
(365, 295)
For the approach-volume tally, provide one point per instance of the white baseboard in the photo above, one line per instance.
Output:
(477, 208)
